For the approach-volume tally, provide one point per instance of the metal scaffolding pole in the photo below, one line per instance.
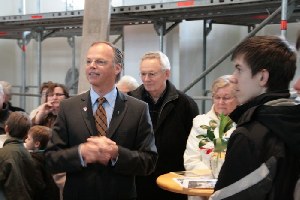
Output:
(161, 36)
(227, 54)
(284, 5)
(204, 62)
(23, 78)
(39, 61)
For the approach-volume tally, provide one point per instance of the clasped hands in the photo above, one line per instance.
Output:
(99, 149)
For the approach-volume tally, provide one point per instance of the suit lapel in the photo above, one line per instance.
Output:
(118, 114)
(87, 113)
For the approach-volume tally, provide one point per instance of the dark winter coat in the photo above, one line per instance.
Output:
(50, 190)
(18, 179)
(262, 159)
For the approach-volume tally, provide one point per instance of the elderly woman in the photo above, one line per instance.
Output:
(224, 102)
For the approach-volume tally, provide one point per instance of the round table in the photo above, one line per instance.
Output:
(166, 182)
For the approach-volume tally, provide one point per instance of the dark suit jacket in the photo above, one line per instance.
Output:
(130, 128)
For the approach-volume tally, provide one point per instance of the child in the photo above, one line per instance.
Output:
(18, 178)
(36, 142)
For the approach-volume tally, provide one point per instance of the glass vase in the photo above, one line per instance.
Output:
(216, 162)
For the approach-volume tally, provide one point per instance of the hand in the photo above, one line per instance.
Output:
(105, 145)
(91, 154)
(43, 110)
(46, 108)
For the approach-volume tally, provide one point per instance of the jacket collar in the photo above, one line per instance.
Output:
(171, 92)
(118, 113)
(12, 141)
(244, 113)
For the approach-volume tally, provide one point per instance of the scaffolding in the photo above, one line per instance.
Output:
(164, 16)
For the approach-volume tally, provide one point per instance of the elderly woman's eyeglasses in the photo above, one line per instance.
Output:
(225, 99)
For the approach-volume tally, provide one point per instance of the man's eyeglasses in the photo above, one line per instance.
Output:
(97, 62)
(56, 94)
(225, 99)
(150, 74)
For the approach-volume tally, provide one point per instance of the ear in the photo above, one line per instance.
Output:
(264, 77)
(118, 69)
(168, 73)
(37, 144)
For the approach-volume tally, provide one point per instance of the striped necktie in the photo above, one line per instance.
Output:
(100, 117)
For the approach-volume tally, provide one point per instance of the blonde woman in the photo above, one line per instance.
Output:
(224, 101)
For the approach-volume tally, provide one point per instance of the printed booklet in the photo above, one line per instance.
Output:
(195, 179)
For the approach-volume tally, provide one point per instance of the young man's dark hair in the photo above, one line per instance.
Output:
(271, 53)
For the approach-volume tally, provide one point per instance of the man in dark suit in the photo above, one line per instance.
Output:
(102, 167)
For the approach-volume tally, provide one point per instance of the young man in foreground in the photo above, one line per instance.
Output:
(262, 159)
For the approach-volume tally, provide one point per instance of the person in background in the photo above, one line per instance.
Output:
(4, 111)
(262, 158)
(172, 114)
(43, 92)
(224, 102)
(7, 96)
(48, 111)
(36, 143)
(127, 83)
(47, 115)
(101, 159)
(18, 178)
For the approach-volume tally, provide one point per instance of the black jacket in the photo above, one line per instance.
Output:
(262, 159)
(50, 190)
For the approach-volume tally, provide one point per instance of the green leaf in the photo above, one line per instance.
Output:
(202, 143)
(225, 124)
(210, 135)
(213, 124)
(204, 127)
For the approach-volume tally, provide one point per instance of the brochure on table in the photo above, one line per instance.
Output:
(195, 179)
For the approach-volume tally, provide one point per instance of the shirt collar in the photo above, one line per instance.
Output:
(110, 97)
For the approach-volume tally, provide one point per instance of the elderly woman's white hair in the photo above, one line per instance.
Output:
(221, 82)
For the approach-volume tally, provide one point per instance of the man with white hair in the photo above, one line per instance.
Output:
(7, 96)
(172, 114)
(4, 111)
